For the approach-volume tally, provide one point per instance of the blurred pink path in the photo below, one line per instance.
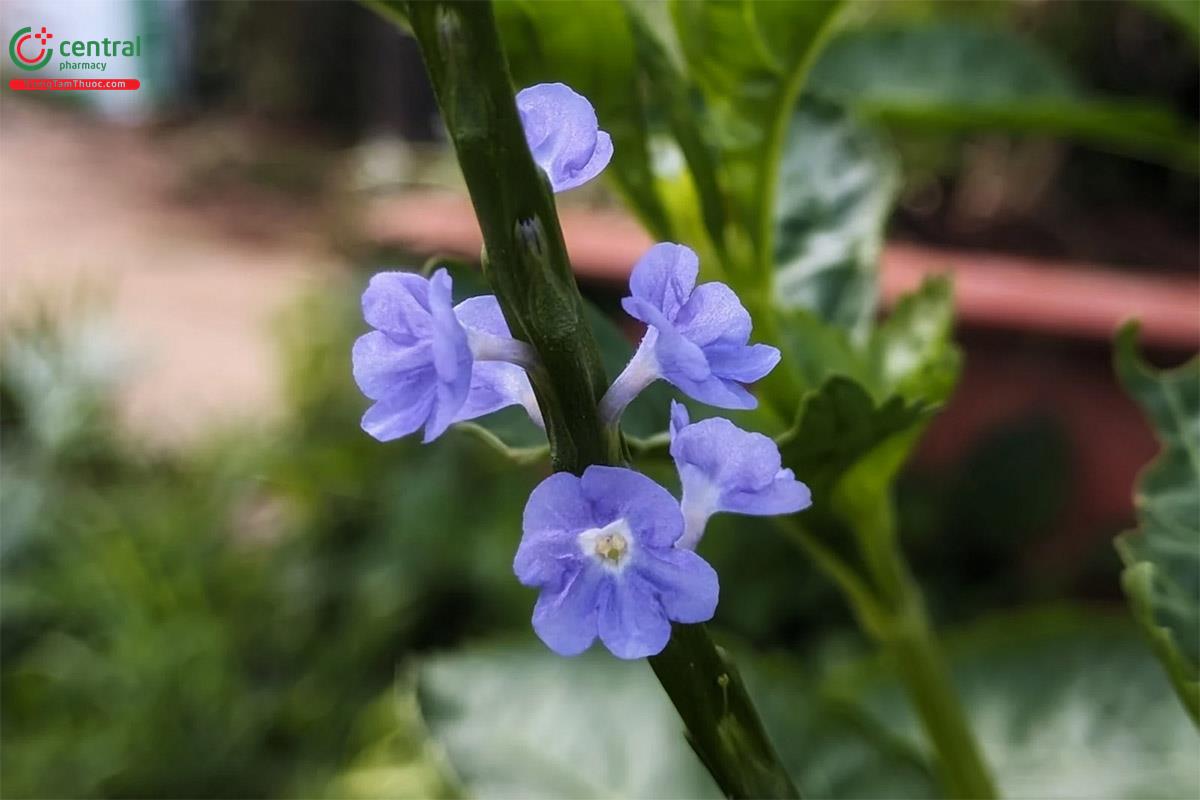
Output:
(94, 211)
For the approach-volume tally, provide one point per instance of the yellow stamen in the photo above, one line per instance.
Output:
(611, 546)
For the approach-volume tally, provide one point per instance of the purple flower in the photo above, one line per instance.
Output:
(696, 337)
(563, 134)
(724, 468)
(421, 363)
(494, 384)
(601, 549)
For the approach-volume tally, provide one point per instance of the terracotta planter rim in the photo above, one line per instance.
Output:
(993, 290)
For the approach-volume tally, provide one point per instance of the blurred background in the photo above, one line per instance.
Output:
(215, 585)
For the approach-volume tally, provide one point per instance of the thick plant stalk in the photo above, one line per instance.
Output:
(722, 723)
(525, 259)
(526, 264)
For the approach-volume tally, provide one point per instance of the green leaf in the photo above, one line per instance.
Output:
(854, 432)
(518, 721)
(816, 350)
(749, 61)
(912, 353)
(1162, 557)
(668, 92)
(833, 748)
(837, 183)
(954, 75)
(397, 758)
(521, 722)
(942, 62)
(1065, 704)
(589, 47)
(837, 426)
(848, 448)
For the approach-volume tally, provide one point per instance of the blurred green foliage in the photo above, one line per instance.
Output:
(955, 75)
(215, 623)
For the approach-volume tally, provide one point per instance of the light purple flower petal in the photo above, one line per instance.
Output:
(740, 363)
(685, 583)
(563, 134)
(419, 358)
(556, 512)
(401, 379)
(398, 303)
(483, 314)
(382, 367)
(682, 361)
(713, 314)
(494, 384)
(726, 453)
(565, 619)
(616, 493)
(783, 495)
(724, 468)
(713, 390)
(388, 419)
(452, 357)
(679, 418)
(601, 156)
(645, 311)
(558, 504)
(664, 277)
(632, 622)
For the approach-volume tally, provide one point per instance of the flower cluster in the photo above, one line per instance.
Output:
(611, 552)
(431, 363)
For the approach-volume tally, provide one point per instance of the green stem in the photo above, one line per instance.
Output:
(722, 723)
(772, 152)
(887, 603)
(863, 602)
(908, 640)
(913, 649)
(897, 620)
(526, 264)
(525, 259)
(892, 613)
